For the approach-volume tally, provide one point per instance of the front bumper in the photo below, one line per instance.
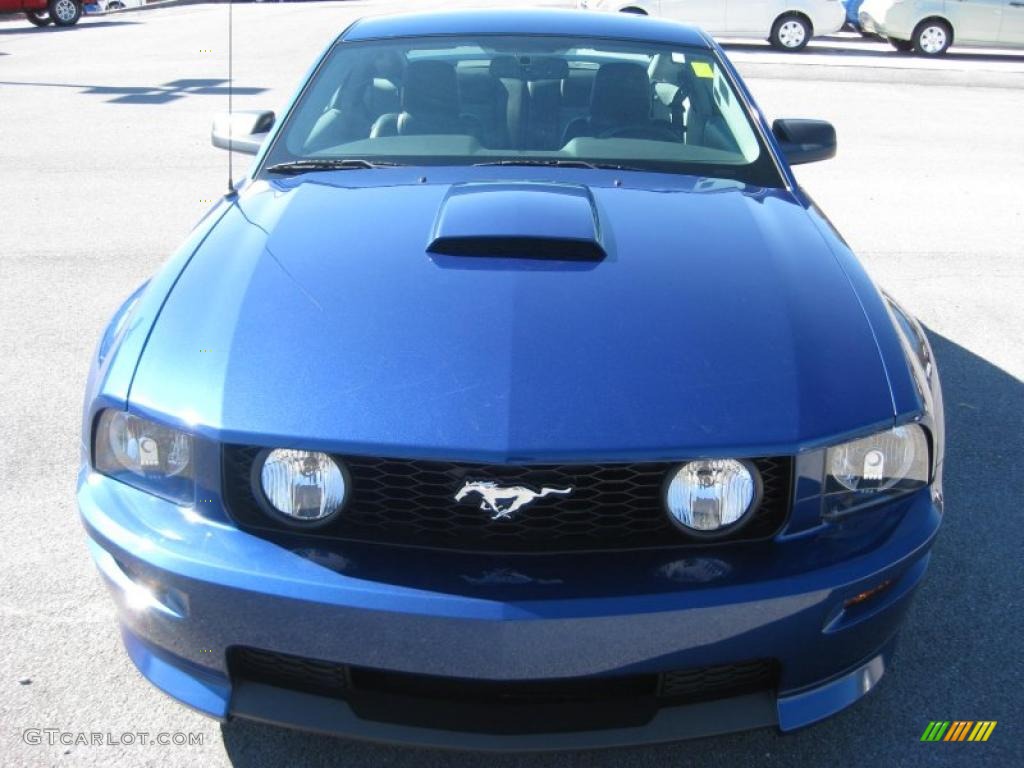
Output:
(189, 589)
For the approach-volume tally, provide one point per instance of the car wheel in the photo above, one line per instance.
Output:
(932, 37)
(39, 18)
(791, 32)
(115, 6)
(65, 13)
(902, 45)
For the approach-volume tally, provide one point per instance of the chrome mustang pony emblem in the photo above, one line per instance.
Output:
(502, 501)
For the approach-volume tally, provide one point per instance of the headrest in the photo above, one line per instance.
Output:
(546, 68)
(390, 65)
(621, 95)
(663, 69)
(529, 68)
(431, 87)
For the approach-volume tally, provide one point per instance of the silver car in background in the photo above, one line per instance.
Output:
(929, 27)
(786, 24)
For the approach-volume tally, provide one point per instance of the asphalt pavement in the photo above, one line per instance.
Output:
(105, 164)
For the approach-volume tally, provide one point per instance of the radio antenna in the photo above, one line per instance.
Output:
(231, 83)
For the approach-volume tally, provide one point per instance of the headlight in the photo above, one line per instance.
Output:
(707, 496)
(146, 455)
(885, 464)
(304, 486)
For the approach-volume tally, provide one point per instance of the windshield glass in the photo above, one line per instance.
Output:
(488, 99)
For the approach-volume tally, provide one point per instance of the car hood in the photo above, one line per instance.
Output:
(716, 321)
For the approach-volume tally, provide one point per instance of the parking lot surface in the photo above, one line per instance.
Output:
(105, 164)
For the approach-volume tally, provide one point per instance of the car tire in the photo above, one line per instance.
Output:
(904, 46)
(39, 18)
(791, 32)
(932, 37)
(64, 13)
(115, 6)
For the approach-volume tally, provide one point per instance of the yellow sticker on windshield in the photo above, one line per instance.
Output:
(702, 69)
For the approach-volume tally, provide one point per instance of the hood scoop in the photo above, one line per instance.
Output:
(550, 222)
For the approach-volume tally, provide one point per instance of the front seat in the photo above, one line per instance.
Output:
(620, 106)
(664, 74)
(705, 125)
(429, 105)
(371, 89)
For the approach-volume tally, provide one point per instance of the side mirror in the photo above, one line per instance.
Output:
(242, 130)
(805, 141)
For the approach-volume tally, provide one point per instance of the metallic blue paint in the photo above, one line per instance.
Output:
(474, 215)
(724, 320)
(675, 609)
(521, 342)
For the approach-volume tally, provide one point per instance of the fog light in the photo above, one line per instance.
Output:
(707, 496)
(306, 487)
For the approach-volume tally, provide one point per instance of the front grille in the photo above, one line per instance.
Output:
(294, 672)
(715, 682)
(612, 507)
(521, 706)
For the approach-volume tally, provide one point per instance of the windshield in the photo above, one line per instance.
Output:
(525, 99)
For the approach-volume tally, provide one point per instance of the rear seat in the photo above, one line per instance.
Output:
(544, 127)
(576, 93)
(554, 104)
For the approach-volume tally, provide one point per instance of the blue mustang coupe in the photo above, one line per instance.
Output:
(519, 398)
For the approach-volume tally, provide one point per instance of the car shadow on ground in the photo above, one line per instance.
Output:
(957, 657)
(28, 28)
(153, 94)
(854, 47)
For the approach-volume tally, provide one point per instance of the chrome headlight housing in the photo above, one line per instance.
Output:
(885, 464)
(305, 488)
(711, 496)
(149, 456)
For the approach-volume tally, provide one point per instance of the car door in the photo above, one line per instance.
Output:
(1012, 30)
(709, 15)
(751, 17)
(975, 21)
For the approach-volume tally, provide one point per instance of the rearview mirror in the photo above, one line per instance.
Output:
(242, 130)
(805, 141)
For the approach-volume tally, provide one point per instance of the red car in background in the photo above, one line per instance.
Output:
(63, 13)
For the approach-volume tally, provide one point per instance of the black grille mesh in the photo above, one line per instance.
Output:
(339, 680)
(612, 507)
(294, 672)
(692, 684)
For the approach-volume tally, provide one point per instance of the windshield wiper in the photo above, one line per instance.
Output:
(553, 163)
(305, 166)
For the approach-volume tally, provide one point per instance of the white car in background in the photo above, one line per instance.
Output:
(786, 24)
(929, 27)
(102, 6)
